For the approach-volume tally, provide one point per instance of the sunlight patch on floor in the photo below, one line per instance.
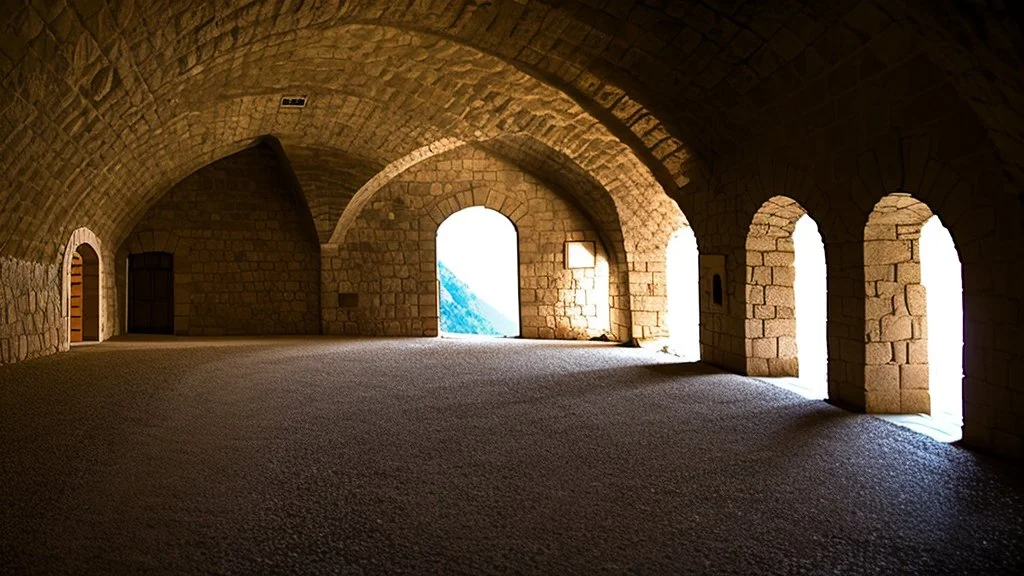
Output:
(935, 428)
(807, 388)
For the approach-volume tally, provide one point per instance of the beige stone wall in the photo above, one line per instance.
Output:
(34, 313)
(30, 312)
(110, 105)
(771, 302)
(873, 114)
(246, 259)
(946, 164)
(718, 344)
(896, 374)
(388, 254)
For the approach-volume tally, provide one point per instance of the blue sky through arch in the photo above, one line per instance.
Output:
(479, 248)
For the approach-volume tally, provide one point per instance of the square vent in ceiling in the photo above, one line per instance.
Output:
(293, 102)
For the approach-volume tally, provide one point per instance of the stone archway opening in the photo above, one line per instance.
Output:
(943, 283)
(811, 299)
(478, 274)
(914, 317)
(786, 298)
(682, 270)
(84, 295)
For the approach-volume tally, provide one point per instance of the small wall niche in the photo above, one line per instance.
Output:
(348, 300)
(713, 283)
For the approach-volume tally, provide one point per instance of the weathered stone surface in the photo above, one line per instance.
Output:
(764, 347)
(770, 287)
(895, 328)
(884, 252)
(388, 256)
(31, 323)
(914, 376)
(846, 113)
(882, 378)
(915, 401)
(878, 353)
(245, 256)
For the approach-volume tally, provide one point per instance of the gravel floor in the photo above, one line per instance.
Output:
(458, 456)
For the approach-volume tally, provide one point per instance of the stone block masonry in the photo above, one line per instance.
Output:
(895, 315)
(30, 311)
(771, 300)
(388, 256)
(246, 260)
(111, 104)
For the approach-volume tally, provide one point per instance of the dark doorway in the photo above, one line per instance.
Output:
(151, 293)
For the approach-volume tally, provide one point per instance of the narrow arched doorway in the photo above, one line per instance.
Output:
(84, 296)
(478, 274)
(682, 270)
(914, 318)
(786, 298)
(810, 291)
(943, 285)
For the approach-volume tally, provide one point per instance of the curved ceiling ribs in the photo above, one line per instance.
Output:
(120, 105)
(365, 193)
(98, 92)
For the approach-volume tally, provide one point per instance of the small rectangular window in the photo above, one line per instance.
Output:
(348, 300)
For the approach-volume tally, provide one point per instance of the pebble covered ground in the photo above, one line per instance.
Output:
(367, 456)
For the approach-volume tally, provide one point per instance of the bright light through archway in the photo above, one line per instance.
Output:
(478, 265)
(941, 277)
(682, 270)
(811, 306)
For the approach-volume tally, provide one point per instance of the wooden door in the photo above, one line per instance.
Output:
(75, 298)
(151, 293)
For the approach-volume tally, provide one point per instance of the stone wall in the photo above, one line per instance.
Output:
(896, 375)
(875, 343)
(246, 260)
(838, 168)
(388, 256)
(771, 301)
(30, 311)
(874, 114)
(34, 311)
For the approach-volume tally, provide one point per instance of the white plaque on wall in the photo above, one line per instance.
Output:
(581, 254)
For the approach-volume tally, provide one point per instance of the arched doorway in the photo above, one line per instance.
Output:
(478, 274)
(914, 315)
(682, 270)
(943, 284)
(786, 298)
(810, 292)
(84, 295)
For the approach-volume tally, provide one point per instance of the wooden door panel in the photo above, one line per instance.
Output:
(151, 293)
(75, 298)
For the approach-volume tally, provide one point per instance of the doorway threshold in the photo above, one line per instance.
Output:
(935, 428)
(799, 386)
(457, 336)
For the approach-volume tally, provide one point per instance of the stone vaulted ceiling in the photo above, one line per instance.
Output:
(109, 103)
